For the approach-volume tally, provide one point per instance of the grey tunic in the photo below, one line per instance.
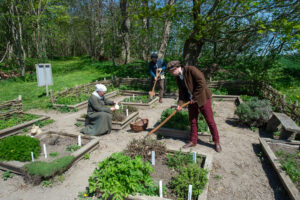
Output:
(98, 119)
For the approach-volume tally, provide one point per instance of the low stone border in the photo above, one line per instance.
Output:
(206, 164)
(13, 130)
(118, 125)
(84, 104)
(17, 167)
(285, 179)
(141, 105)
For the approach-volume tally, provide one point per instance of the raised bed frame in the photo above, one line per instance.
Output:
(206, 164)
(118, 125)
(84, 104)
(285, 179)
(16, 167)
(141, 105)
(15, 107)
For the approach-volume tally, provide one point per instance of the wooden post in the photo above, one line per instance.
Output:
(20, 99)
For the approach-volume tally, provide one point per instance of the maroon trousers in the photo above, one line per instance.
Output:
(207, 112)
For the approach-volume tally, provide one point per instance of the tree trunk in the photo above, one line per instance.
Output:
(145, 48)
(124, 4)
(165, 38)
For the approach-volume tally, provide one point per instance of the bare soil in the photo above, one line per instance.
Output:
(238, 172)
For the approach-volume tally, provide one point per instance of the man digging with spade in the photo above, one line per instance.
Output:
(192, 87)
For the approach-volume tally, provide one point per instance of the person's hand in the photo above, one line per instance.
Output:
(179, 108)
(159, 70)
(112, 109)
(155, 78)
(192, 101)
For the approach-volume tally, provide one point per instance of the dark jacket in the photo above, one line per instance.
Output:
(195, 83)
(98, 105)
(153, 66)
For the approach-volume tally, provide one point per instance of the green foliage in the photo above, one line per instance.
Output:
(190, 175)
(73, 148)
(290, 164)
(19, 148)
(16, 119)
(254, 112)
(219, 91)
(78, 124)
(138, 99)
(119, 175)
(86, 156)
(6, 175)
(47, 183)
(179, 159)
(46, 169)
(53, 154)
(217, 176)
(44, 123)
(72, 99)
(277, 133)
(183, 118)
(120, 115)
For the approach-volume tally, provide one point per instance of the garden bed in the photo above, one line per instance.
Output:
(120, 120)
(62, 151)
(134, 174)
(142, 102)
(18, 121)
(71, 102)
(285, 159)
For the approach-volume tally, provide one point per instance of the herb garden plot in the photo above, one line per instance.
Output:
(45, 156)
(142, 102)
(13, 119)
(137, 171)
(285, 158)
(120, 119)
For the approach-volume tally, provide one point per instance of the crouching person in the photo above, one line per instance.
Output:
(99, 118)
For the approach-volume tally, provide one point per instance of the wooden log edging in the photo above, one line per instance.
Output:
(141, 105)
(285, 179)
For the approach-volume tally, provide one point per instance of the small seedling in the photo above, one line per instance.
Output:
(25, 130)
(73, 148)
(261, 155)
(46, 183)
(276, 134)
(86, 156)
(60, 178)
(253, 128)
(217, 176)
(53, 154)
(78, 124)
(6, 175)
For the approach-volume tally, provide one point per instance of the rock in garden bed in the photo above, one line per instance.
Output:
(62, 151)
(129, 174)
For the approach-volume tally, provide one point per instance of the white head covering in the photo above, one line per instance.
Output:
(100, 88)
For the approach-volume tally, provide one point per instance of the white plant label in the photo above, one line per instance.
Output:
(117, 107)
(160, 189)
(126, 112)
(153, 157)
(45, 151)
(79, 140)
(133, 96)
(194, 157)
(32, 158)
(190, 192)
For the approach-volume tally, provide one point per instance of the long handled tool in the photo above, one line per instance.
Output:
(152, 93)
(167, 119)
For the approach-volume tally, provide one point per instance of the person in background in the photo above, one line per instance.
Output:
(192, 87)
(155, 66)
(99, 118)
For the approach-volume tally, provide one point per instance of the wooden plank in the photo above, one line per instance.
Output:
(173, 133)
(285, 179)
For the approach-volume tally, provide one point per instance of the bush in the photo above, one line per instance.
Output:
(119, 175)
(191, 175)
(19, 148)
(254, 112)
(183, 118)
(179, 159)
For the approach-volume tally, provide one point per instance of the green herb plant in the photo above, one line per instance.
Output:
(86, 156)
(138, 99)
(53, 154)
(6, 175)
(73, 148)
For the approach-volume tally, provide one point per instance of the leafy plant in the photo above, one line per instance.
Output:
(217, 176)
(73, 148)
(19, 148)
(290, 164)
(254, 112)
(179, 159)
(119, 175)
(253, 128)
(276, 134)
(53, 154)
(44, 123)
(16, 119)
(78, 124)
(138, 99)
(86, 156)
(47, 169)
(72, 99)
(190, 175)
(120, 115)
(183, 118)
(6, 175)
(47, 183)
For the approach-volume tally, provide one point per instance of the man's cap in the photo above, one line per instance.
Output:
(173, 64)
(154, 55)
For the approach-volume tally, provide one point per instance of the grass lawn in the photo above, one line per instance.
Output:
(66, 73)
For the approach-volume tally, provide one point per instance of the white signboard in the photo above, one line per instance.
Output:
(44, 75)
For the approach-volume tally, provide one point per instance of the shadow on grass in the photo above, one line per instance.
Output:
(274, 181)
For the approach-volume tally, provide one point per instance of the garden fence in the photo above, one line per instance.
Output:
(9, 108)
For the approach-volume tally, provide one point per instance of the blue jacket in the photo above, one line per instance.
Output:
(153, 66)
